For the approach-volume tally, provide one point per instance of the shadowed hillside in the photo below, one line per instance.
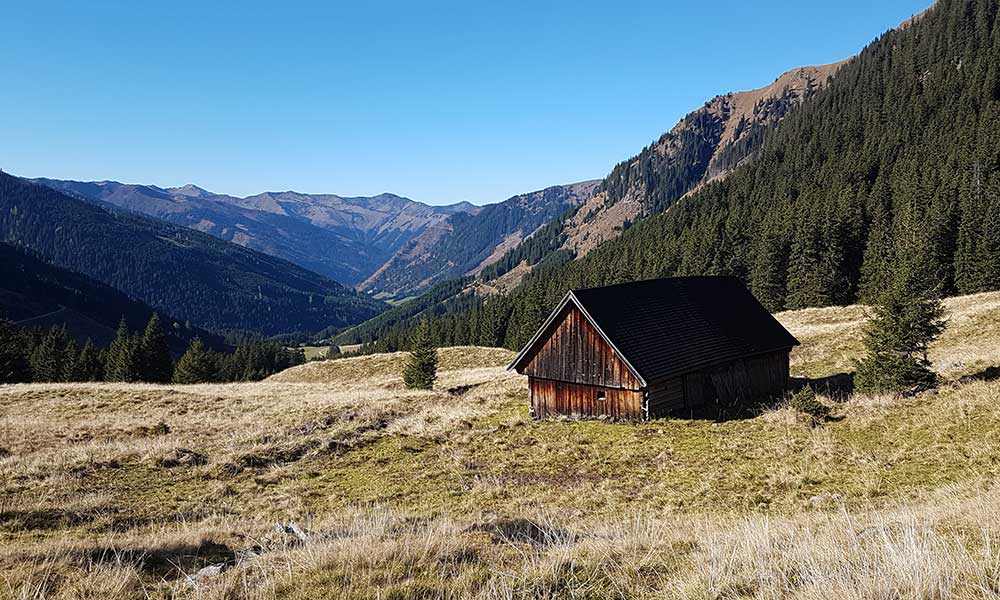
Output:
(34, 293)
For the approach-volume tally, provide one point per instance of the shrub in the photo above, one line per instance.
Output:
(805, 402)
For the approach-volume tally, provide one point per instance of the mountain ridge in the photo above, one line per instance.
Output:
(466, 243)
(387, 244)
(178, 270)
(341, 237)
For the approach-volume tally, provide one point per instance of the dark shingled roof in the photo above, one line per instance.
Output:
(668, 327)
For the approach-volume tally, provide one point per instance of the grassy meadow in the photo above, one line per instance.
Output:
(332, 480)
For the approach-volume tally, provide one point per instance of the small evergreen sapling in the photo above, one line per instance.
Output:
(421, 368)
(805, 402)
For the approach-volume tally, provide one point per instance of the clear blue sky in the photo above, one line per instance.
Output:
(437, 101)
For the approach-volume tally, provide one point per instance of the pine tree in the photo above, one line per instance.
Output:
(14, 366)
(421, 368)
(907, 318)
(197, 365)
(155, 364)
(121, 360)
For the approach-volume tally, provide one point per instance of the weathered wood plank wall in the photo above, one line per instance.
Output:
(550, 398)
(752, 380)
(666, 397)
(577, 353)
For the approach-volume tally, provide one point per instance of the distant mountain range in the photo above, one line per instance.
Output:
(346, 239)
(182, 272)
(387, 245)
(467, 242)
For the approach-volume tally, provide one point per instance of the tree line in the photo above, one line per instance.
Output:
(53, 355)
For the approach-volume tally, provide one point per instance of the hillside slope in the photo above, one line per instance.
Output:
(456, 492)
(345, 239)
(468, 242)
(707, 144)
(34, 293)
(184, 273)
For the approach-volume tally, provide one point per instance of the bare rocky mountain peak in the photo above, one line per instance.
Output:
(191, 190)
(735, 117)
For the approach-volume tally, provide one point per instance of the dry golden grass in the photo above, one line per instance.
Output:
(124, 491)
(831, 337)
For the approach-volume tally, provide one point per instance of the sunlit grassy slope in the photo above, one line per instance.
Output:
(120, 491)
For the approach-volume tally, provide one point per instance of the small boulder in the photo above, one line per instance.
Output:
(182, 457)
(196, 579)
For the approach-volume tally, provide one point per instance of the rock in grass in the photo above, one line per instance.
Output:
(195, 580)
(182, 457)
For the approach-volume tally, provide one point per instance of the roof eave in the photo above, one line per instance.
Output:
(531, 343)
(604, 336)
(571, 297)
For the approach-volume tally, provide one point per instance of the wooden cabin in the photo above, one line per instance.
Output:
(654, 348)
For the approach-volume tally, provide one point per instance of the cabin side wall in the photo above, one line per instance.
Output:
(752, 380)
(666, 397)
(575, 352)
(747, 380)
(551, 398)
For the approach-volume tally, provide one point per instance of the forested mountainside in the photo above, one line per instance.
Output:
(346, 239)
(709, 143)
(467, 242)
(179, 271)
(899, 153)
(446, 298)
(34, 293)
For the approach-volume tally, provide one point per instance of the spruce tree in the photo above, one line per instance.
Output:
(907, 318)
(88, 363)
(197, 365)
(69, 362)
(14, 366)
(155, 364)
(421, 368)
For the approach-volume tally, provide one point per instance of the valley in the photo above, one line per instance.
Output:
(181, 272)
(767, 344)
